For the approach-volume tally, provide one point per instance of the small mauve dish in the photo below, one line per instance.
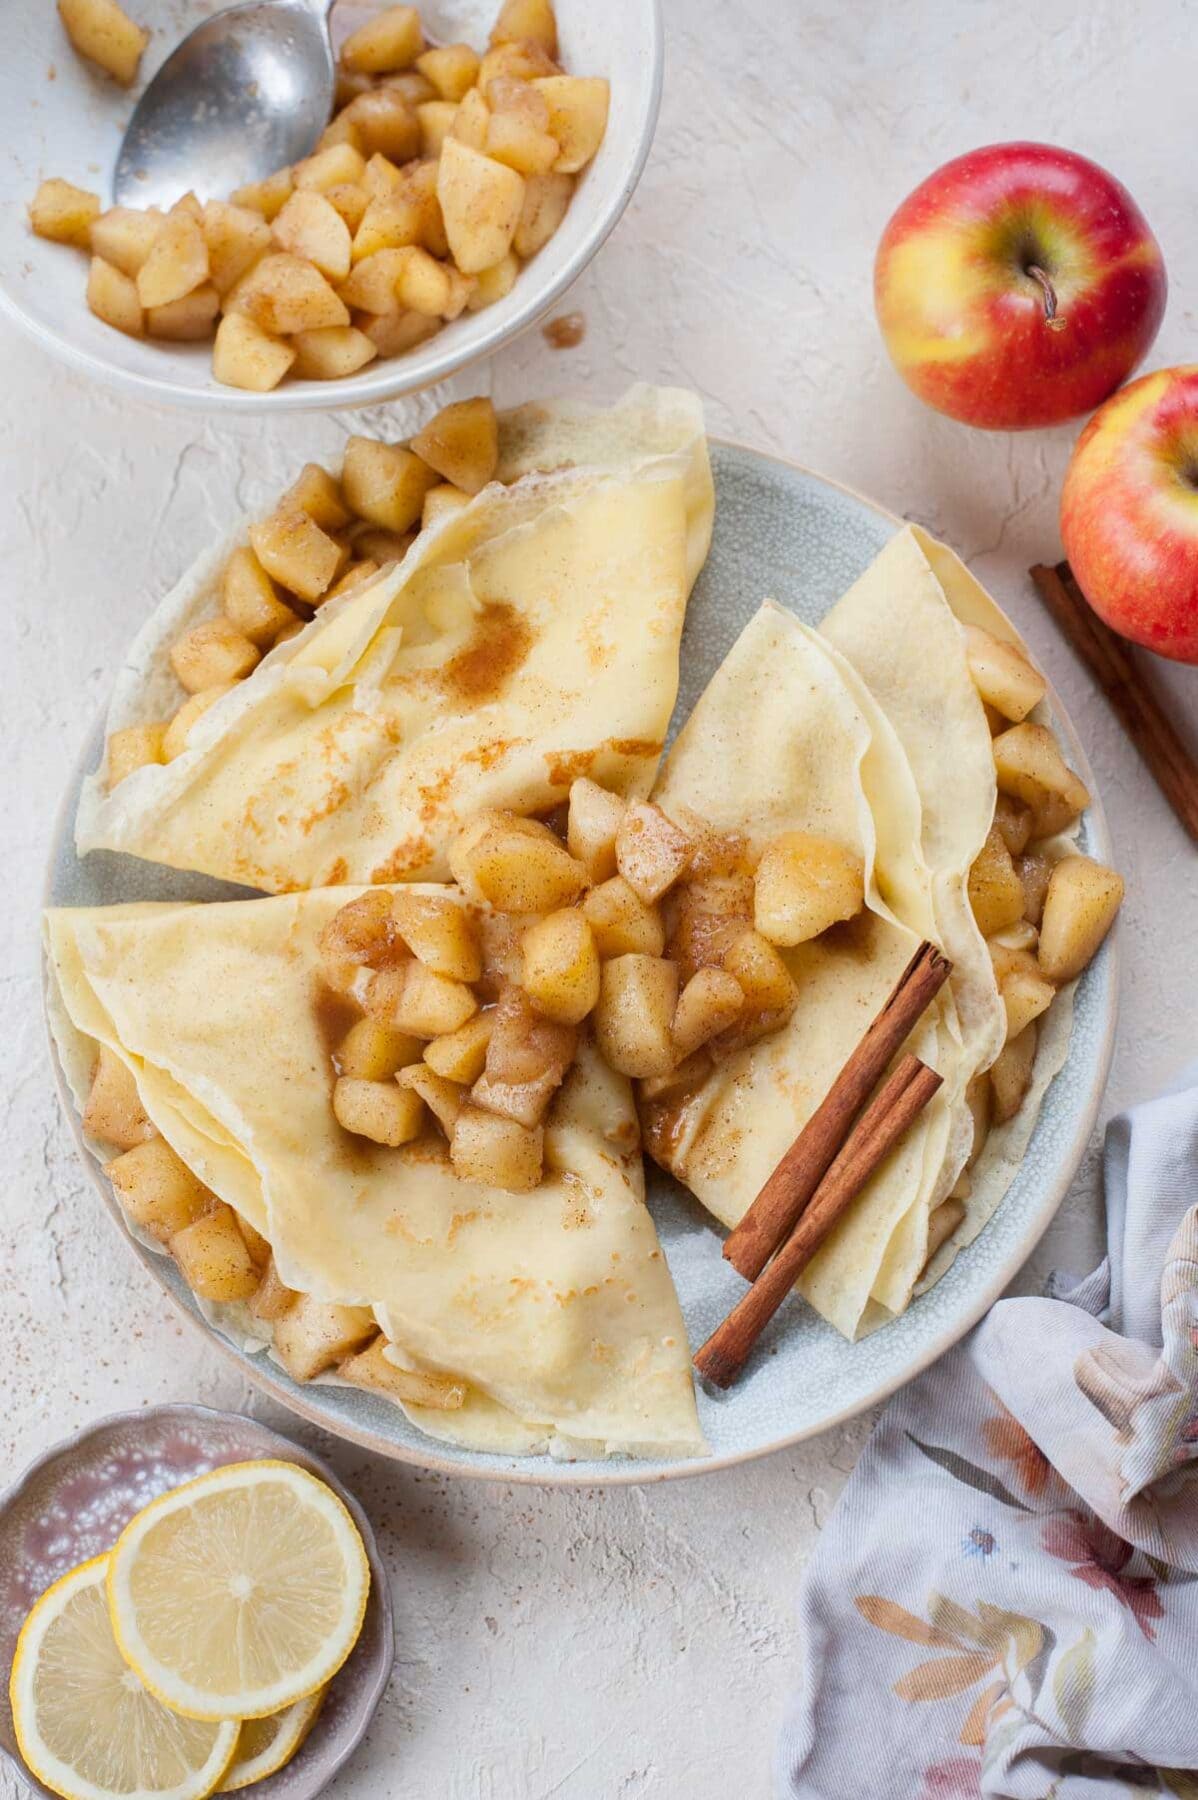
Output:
(72, 1503)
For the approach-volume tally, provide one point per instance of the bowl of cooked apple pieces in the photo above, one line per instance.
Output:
(475, 160)
(498, 876)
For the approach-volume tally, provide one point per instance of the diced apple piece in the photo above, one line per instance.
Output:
(236, 237)
(393, 39)
(481, 202)
(593, 822)
(436, 119)
(267, 197)
(623, 923)
(461, 1055)
(250, 601)
(350, 202)
(378, 1110)
(688, 1074)
(526, 1062)
(1013, 822)
(422, 284)
(761, 972)
(384, 124)
(515, 865)
(330, 167)
(1024, 992)
(1035, 872)
(452, 69)
(652, 853)
(995, 890)
(507, 94)
(1079, 909)
(114, 1113)
(283, 295)
(64, 213)
(385, 483)
(440, 501)
(443, 1097)
(245, 356)
(317, 493)
(272, 1297)
(633, 1020)
(395, 333)
(124, 237)
(354, 576)
(177, 262)
(561, 966)
(157, 1189)
(497, 1152)
(132, 747)
(255, 1243)
(513, 141)
(373, 284)
(524, 60)
(174, 738)
(1011, 1074)
(294, 550)
(416, 999)
(106, 35)
(439, 931)
(804, 884)
(113, 297)
(383, 546)
(526, 19)
(212, 652)
(213, 1257)
(546, 198)
(393, 223)
(372, 1369)
(470, 121)
(495, 283)
(309, 227)
(361, 931)
(462, 443)
(1002, 674)
(313, 1335)
(1030, 767)
(577, 116)
(711, 1001)
(371, 1052)
(415, 87)
(188, 320)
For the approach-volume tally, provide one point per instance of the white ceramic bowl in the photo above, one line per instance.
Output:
(63, 118)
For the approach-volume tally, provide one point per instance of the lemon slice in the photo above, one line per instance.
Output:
(85, 1725)
(239, 1593)
(266, 1745)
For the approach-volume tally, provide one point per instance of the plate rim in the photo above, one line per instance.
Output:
(544, 1471)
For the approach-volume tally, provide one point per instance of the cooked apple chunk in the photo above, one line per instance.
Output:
(633, 1020)
(102, 32)
(515, 865)
(236, 237)
(308, 226)
(212, 652)
(250, 601)
(461, 1055)
(1013, 822)
(384, 483)
(495, 283)
(995, 890)
(133, 747)
(804, 884)
(381, 123)
(522, 61)
(1080, 905)
(255, 1243)
(361, 931)
(1002, 674)
(332, 352)
(652, 853)
(177, 262)
(546, 198)
(371, 1052)
(112, 296)
(513, 140)
(469, 122)
(294, 550)
(622, 922)
(711, 1001)
(392, 40)
(461, 443)
(372, 1368)
(440, 502)
(245, 356)
(529, 21)
(443, 1097)
(329, 168)
(1011, 1074)
(189, 320)
(124, 237)
(424, 1003)
(378, 1110)
(213, 1257)
(1030, 768)
(497, 1152)
(178, 733)
(561, 966)
(438, 931)
(1024, 992)
(157, 1189)
(578, 106)
(592, 824)
(313, 1335)
(272, 1297)
(526, 1061)
(452, 69)
(114, 1113)
(481, 202)
(64, 214)
(761, 972)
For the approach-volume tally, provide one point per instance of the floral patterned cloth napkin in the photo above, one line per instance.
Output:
(1005, 1600)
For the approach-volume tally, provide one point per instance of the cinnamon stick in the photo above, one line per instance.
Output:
(1128, 687)
(900, 1100)
(774, 1213)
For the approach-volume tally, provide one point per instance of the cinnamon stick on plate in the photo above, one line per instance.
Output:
(777, 1208)
(900, 1100)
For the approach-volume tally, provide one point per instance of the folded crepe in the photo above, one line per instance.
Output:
(525, 640)
(781, 740)
(555, 1307)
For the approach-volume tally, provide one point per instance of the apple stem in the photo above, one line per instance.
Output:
(1052, 318)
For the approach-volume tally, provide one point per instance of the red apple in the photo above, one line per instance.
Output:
(1018, 286)
(1129, 512)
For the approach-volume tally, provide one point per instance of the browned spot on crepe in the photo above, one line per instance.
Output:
(499, 645)
(565, 766)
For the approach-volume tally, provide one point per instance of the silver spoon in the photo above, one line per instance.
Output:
(246, 92)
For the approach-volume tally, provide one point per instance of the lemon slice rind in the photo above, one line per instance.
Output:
(163, 1678)
(292, 1735)
(41, 1759)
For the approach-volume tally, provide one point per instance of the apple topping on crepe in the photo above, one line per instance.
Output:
(657, 935)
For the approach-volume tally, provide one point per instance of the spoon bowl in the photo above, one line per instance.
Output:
(246, 92)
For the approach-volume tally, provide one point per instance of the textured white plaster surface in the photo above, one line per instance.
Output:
(634, 1644)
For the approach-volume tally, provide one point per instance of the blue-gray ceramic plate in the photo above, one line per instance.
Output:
(785, 533)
